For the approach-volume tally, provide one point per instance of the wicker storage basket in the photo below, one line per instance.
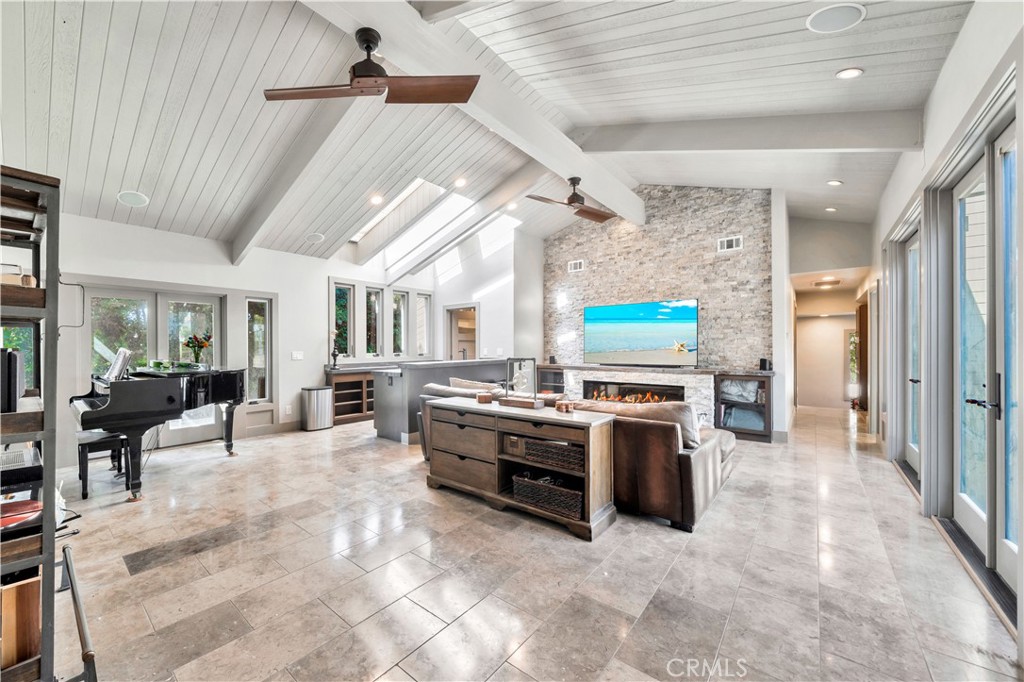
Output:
(547, 496)
(564, 455)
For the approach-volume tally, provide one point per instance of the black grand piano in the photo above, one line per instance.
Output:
(148, 398)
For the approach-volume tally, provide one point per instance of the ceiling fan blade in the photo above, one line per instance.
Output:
(323, 92)
(430, 89)
(546, 200)
(594, 214)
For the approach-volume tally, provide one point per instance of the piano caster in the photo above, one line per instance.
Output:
(134, 497)
(119, 474)
(232, 453)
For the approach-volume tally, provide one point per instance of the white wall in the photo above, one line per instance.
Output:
(479, 270)
(820, 360)
(820, 245)
(783, 296)
(96, 251)
(529, 297)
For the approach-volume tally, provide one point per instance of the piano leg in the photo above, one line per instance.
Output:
(133, 466)
(228, 409)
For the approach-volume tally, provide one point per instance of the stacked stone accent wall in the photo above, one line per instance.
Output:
(673, 256)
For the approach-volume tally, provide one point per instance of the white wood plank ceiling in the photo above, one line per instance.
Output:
(621, 62)
(166, 98)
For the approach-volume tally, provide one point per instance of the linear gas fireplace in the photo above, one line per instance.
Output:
(632, 393)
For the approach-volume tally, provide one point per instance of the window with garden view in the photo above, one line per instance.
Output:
(399, 314)
(373, 336)
(342, 319)
(258, 325)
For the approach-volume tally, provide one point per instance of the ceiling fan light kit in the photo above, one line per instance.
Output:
(370, 79)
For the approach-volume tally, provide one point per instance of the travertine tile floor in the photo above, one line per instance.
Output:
(324, 556)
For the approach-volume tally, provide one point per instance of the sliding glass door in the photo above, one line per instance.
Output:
(987, 389)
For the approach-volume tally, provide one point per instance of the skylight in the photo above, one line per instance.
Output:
(431, 192)
(448, 215)
(498, 234)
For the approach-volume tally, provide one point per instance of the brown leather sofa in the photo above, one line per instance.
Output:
(664, 464)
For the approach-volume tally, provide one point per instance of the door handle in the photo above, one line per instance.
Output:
(915, 381)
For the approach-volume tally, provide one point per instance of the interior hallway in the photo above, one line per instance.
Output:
(316, 556)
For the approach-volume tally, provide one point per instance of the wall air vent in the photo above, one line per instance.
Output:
(730, 243)
(576, 266)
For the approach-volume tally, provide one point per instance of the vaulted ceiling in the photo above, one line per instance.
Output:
(165, 98)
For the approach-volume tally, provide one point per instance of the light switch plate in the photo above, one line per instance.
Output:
(296, 355)
(287, 410)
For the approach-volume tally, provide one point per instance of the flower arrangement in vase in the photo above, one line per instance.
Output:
(197, 344)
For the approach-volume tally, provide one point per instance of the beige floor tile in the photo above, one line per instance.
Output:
(371, 648)
(272, 599)
(267, 650)
(474, 646)
(193, 597)
(364, 596)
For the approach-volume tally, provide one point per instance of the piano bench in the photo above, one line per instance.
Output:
(98, 440)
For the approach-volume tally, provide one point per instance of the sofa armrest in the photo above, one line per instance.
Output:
(700, 473)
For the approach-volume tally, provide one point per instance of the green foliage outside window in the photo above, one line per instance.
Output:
(342, 310)
(21, 339)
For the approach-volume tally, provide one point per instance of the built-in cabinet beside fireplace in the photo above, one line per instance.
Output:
(743, 405)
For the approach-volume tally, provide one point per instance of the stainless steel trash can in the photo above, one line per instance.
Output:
(317, 408)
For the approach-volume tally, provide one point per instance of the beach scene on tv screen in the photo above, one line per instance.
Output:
(655, 333)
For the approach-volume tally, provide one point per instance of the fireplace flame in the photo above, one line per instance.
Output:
(637, 398)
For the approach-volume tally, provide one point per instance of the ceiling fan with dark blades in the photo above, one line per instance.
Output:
(368, 78)
(576, 202)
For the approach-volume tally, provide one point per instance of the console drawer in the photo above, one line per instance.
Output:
(466, 418)
(541, 430)
(465, 470)
(464, 440)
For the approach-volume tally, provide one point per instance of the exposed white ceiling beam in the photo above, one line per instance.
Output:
(419, 48)
(439, 10)
(524, 179)
(866, 131)
(264, 214)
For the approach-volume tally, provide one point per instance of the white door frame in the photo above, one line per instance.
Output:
(911, 453)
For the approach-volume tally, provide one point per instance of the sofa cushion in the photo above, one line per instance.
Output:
(548, 398)
(456, 382)
(442, 391)
(674, 412)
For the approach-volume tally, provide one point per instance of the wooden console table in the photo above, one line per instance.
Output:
(478, 449)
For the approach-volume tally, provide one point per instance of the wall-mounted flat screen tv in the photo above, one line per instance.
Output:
(659, 333)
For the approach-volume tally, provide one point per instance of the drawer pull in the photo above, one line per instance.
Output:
(537, 425)
(461, 426)
(460, 413)
(461, 458)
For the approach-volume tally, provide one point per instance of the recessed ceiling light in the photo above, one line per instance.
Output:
(830, 278)
(314, 237)
(847, 74)
(512, 206)
(823, 315)
(132, 198)
(825, 286)
(376, 200)
(831, 209)
(836, 18)
(834, 183)
(460, 182)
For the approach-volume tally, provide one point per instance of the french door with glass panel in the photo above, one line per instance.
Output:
(155, 326)
(912, 287)
(987, 366)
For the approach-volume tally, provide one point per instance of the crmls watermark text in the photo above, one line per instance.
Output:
(702, 668)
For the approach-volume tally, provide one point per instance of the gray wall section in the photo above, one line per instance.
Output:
(820, 245)
(673, 256)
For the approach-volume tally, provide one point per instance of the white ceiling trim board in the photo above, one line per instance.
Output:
(869, 131)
